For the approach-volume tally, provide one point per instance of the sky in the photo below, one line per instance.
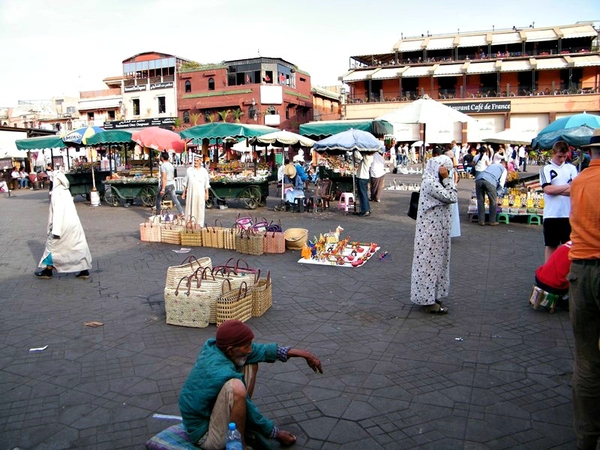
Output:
(61, 47)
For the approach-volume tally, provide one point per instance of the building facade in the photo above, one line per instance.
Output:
(264, 91)
(520, 79)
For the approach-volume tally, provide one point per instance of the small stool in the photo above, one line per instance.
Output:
(346, 201)
(474, 217)
(502, 218)
(299, 204)
(166, 204)
(534, 219)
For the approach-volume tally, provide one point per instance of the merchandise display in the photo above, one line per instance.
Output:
(330, 250)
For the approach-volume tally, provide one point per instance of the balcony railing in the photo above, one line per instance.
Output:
(476, 93)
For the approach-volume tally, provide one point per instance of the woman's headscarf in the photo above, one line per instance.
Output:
(60, 181)
(432, 169)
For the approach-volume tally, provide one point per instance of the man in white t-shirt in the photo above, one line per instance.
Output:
(555, 179)
(523, 157)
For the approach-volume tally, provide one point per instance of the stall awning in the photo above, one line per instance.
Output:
(515, 66)
(320, 130)
(550, 63)
(579, 31)
(440, 43)
(358, 75)
(481, 67)
(478, 40)
(586, 61)
(98, 103)
(513, 37)
(409, 46)
(417, 71)
(448, 70)
(540, 35)
(387, 74)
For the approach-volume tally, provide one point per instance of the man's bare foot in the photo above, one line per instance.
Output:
(285, 437)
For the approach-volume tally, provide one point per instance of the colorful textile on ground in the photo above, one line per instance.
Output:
(172, 438)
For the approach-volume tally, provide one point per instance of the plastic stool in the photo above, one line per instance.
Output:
(502, 218)
(534, 219)
(166, 204)
(346, 201)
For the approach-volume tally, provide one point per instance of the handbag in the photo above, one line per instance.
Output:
(274, 242)
(244, 223)
(229, 237)
(192, 234)
(262, 296)
(187, 307)
(249, 242)
(235, 304)
(237, 267)
(260, 225)
(150, 231)
(413, 207)
(187, 267)
(275, 227)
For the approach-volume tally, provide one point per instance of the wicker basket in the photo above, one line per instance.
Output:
(191, 236)
(150, 232)
(185, 269)
(235, 304)
(171, 233)
(185, 306)
(274, 242)
(262, 296)
(215, 286)
(229, 238)
(295, 238)
(250, 243)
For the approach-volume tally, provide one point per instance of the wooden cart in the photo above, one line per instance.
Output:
(251, 193)
(81, 183)
(127, 190)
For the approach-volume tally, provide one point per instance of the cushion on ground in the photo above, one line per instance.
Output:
(172, 438)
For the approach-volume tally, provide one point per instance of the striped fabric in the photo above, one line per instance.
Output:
(172, 438)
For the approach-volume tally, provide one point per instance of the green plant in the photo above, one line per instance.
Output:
(177, 122)
(194, 117)
(224, 114)
(237, 114)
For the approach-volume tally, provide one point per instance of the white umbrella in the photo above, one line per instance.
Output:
(428, 112)
(283, 138)
(509, 136)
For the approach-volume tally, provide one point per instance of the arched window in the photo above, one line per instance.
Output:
(186, 114)
(188, 86)
(211, 84)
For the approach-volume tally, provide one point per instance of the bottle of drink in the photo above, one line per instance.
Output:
(233, 440)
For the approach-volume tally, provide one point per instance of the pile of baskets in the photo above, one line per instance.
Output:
(247, 235)
(198, 294)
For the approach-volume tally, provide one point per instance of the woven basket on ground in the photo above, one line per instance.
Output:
(262, 296)
(150, 231)
(186, 306)
(235, 304)
(295, 238)
(186, 268)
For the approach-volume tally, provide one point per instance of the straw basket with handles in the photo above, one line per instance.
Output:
(295, 238)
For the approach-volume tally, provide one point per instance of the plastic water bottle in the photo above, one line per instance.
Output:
(233, 440)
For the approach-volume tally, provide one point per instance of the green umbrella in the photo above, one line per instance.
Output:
(321, 130)
(40, 143)
(221, 130)
(110, 137)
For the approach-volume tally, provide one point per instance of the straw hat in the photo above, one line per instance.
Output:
(595, 139)
(289, 170)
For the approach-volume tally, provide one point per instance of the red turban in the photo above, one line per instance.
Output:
(233, 333)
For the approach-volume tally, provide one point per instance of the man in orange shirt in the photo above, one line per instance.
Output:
(584, 292)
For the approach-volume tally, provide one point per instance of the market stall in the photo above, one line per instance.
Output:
(323, 129)
(237, 181)
(82, 183)
(244, 181)
(126, 189)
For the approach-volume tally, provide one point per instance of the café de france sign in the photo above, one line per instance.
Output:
(481, 107)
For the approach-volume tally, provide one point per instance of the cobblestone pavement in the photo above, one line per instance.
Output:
(492, 374)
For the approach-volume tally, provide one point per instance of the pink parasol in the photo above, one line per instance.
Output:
(159, 139)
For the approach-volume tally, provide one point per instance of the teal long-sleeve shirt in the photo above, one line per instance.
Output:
(211, 371)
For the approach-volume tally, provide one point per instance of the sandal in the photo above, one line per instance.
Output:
(436, 309)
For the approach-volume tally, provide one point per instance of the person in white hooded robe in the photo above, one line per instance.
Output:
(430, 277)
(66, 249)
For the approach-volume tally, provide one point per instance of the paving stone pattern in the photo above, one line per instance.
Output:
(492, 374)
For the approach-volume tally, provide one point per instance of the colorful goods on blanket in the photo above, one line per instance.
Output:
(329, 249)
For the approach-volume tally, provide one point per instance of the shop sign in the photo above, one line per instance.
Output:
(480, 107)
(138, 88)
(165, 85)
(140, 123)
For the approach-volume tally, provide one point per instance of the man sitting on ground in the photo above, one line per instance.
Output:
(219, 388)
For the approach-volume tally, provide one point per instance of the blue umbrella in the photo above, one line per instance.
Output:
(80, 136)
(576, 136)
(576, 120)
(349, 140)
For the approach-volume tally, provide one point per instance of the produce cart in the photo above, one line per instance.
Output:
(81, 183)
(251, 193)
(127, 190)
